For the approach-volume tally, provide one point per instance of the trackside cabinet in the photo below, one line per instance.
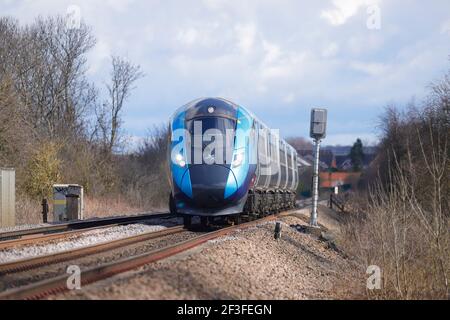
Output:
(68, 204)
(7, 197)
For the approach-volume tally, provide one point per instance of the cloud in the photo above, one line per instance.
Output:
(188, 36)
(263, 54)
(119, 5)
(445, 28)
(343, 10)
(370, 68)
(289, 98)
(330, 50)
(245, 34)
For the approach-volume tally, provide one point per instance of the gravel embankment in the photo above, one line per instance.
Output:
(247, 264)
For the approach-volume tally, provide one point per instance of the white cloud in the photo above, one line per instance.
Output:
(277, 63)
(245, 34)
(364, 43)
(370, 68)
(330, 50)
(343, 10)
(188, 36)
(99, 56)
(262, 53)
(289, 98)
(445, 28)
(272, 52)
(119, 5)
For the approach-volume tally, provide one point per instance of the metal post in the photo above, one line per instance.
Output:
(277, 232)
(44, 210)
(315, 185)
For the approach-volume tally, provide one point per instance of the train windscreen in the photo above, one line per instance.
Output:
(211, 137)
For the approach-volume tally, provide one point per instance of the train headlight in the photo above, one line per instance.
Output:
(238, 158)
(180, 160)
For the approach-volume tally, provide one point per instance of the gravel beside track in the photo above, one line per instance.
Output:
(246, 264)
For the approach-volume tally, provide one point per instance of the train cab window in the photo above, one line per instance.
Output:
(207, 123)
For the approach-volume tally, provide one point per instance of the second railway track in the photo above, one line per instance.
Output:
(35, 262)
(80, 225)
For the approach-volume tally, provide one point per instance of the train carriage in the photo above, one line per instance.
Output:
(225, 162)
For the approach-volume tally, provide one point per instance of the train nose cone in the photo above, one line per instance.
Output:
(208, 185)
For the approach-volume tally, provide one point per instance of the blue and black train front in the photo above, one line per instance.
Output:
(210, 158)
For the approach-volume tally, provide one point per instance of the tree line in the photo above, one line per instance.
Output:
(400, 219)
(56, 126)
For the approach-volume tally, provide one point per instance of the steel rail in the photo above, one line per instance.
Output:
(58, 284)
(34, 239)
(77, 225)
(35, 262)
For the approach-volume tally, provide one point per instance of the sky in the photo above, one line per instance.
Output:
(278, 58)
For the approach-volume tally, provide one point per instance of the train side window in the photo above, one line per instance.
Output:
(283, 154)
(262, 143)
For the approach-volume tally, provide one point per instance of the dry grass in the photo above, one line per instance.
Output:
(107, 207)
(28, 211)
(408, 241)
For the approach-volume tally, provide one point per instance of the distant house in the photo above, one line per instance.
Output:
(346, 180)
(346, 165)
(322, 165)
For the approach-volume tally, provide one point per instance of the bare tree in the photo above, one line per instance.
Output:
(300, 143)
(403, 227)
(123, 76)
(50, 71)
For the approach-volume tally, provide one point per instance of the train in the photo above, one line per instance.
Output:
(225, 162)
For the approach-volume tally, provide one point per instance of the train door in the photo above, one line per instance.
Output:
(274, 161)
(284, 166)
(254, 149)
(262, 157)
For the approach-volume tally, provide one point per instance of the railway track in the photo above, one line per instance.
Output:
(35, 239)
(35, 262)
(58, 284)
(48, 232)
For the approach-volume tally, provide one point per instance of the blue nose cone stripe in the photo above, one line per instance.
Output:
(231, 186)
(180, 174)
(238, 175)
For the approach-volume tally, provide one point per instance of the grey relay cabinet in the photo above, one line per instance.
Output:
(68, 202)
(7, 197)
